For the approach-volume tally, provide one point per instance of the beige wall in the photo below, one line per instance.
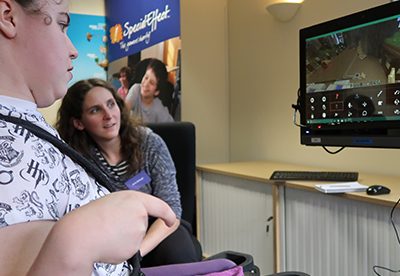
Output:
(264, 78)
(205, 99)
(94, 7)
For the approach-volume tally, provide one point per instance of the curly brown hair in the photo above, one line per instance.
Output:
(71, 108)
(35, 7)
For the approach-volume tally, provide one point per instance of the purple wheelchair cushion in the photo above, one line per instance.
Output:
(234, 271)
(217, 267)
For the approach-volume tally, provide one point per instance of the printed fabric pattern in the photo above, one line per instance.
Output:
(37, 181)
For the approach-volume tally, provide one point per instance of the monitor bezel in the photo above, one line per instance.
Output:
(381, 134)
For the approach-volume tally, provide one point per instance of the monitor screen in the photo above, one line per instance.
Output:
(350, 80)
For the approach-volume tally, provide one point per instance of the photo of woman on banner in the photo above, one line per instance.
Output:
(125, 77)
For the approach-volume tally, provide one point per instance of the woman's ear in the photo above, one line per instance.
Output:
(7, 20)
(78, 124)
(156, 93)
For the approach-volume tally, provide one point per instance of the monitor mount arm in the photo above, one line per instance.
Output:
(296, 107)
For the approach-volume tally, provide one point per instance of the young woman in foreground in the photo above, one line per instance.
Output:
(54, 218)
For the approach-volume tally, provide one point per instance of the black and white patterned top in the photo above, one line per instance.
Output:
(37, 181)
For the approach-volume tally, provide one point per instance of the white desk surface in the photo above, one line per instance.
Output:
(262, 170)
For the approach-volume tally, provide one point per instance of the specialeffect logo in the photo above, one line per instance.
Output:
(125, 34)
(116, 33)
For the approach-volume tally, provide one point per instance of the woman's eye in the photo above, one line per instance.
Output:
(63, 26)
(93, 110)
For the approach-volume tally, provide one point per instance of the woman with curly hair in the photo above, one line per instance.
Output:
(94, 121)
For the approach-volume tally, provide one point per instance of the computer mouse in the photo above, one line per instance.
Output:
(377, 190)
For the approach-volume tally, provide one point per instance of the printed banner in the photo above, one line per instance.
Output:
(88, 34)
(133, 25)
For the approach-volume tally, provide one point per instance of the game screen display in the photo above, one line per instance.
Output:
(353, 74)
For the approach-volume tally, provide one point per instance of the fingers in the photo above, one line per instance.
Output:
(109, 230)
(158, 208)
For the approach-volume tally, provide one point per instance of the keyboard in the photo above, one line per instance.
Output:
(315, 176)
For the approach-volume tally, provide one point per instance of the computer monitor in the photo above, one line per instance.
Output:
(350, 80)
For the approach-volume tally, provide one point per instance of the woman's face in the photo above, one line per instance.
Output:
(101, 116)
(149, 84)
(45, 51)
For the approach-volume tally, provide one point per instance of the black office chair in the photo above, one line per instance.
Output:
(180, 138)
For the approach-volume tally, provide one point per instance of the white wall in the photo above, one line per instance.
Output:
(264, 78)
